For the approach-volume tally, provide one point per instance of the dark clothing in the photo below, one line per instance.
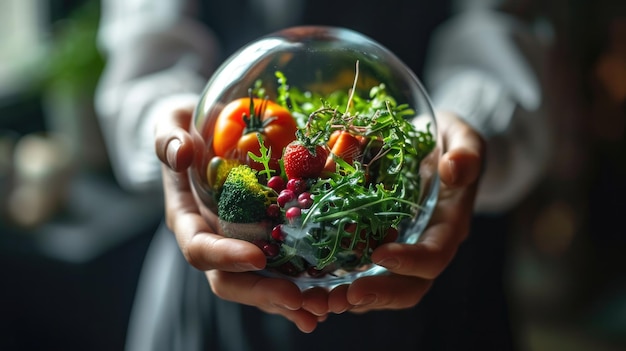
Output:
(401, 26)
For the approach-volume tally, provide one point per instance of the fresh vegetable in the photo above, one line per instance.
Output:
(242, 121)
(344, 145)
(342, 183)
(217, 171)
(242, 198)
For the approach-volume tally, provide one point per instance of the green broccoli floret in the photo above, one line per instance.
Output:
(243, 199)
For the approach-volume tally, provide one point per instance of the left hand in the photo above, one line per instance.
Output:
(414, 267)
(226, 262)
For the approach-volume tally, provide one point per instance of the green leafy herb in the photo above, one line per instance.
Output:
(368, 197)
(354, 208)
(264, 158)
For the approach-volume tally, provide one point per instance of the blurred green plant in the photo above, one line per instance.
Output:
(73, 61)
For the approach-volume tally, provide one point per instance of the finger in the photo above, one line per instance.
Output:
(337, 300)
(276, 296)
(386, 292)
(448, 228)
(195, 233)
(304, 320)
(315, 300)
(425, 259)
(462, 161)
(207, 251)
(173, 143)
(256, 290)
(460, 167)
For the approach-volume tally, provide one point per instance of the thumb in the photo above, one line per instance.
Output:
(464, 152)
(173, 143)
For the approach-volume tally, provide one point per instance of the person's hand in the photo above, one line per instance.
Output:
(413, 267)
(226, 261)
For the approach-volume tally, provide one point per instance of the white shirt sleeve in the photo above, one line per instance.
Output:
(486, 67)
(157, 55)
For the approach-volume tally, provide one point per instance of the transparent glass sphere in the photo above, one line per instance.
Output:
(318, 145)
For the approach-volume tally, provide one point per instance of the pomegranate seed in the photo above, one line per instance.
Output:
(284, 197)
(276, 183)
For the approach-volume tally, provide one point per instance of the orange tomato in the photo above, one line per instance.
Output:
(240, 121)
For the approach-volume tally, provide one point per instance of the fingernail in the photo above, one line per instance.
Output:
(453, 175)
(389, 263)
(342, 310)
(366, 300)
(283, 306)
(172, 151)
(247, 267)
(317, 313)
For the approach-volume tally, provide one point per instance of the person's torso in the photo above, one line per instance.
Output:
(404, 27)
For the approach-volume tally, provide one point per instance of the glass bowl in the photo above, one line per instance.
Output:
(318, 145)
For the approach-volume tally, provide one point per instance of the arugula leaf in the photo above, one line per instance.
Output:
(264, 158)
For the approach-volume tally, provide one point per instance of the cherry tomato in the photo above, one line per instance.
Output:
(241, 120)
(343, 145)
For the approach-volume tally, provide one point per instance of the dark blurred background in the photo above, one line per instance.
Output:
(72, 242)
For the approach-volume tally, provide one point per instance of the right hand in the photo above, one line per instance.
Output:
(414, 267)
(227, 262)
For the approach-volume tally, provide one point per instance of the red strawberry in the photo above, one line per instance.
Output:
(304, 162)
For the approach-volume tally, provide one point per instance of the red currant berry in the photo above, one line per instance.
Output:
(305, 200)
(273, 211)
(391, 235)
(314, 272)
(276, 183)
(277, 233)
(271, 249)
(296, 185)
(345, 243)
(284, 197)
(288, 268)
(293, 213)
